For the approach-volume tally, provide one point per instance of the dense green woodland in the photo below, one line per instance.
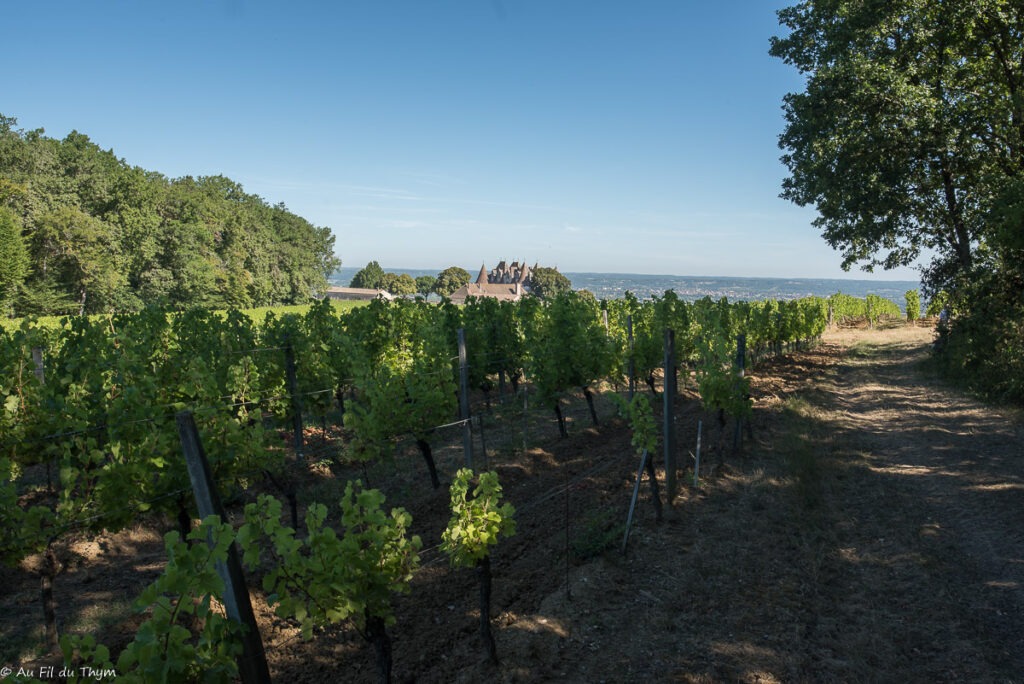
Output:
(82, 231)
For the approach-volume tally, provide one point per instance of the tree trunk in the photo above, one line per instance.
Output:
(655, 495)
(483, 571)
(428, 456)
(561, 420)
(721, 437)
(184, 519)
(339, 396)
(46, 577)
(650, 383)
(590, 403)
(377, 634)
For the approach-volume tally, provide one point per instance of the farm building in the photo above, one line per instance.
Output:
(357, 293)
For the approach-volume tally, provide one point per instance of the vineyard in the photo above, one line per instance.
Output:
(480, 425)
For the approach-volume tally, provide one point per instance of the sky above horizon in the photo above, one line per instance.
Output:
(590, 135)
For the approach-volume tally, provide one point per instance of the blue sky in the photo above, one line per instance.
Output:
(590, 135)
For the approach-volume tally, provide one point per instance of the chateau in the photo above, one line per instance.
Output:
(507, 282)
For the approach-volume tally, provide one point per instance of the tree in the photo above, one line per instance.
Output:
(425, 284)
(912, 112)
(450, 279)
(370, 276)
(13, 257)
(112, 237)
(548, 283)
(398, 284)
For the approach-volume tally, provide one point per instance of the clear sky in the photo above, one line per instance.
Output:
(631, 136)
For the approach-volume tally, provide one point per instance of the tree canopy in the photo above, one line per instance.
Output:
(910, 135)
(425, 284)
(911, 114)
(450, 279)
(101, 235)
(13, 257)
(548, 283)
(370, 276)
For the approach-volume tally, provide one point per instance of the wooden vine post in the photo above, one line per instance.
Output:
(293, 390)
(644, 440)
(252, 664)
(467, 434)
(668, 415)
(632, 360)
(741, 364)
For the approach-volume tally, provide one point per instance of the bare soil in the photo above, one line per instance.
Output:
(871, 530)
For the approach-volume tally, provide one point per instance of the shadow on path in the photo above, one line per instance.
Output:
(921, 505)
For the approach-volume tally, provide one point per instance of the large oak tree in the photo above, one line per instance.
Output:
(911, 121)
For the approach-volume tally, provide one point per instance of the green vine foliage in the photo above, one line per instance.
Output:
(641, 422)
(326, 578)
(22, 530)
(913, 300)
(168, 646)
(719, 382)
(478, 521)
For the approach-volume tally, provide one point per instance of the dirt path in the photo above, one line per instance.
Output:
(923, 514)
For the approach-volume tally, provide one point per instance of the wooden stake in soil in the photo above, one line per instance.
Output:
(467, 435)
(696, 460)
(632, 501)
(483, 441)
(668, 415)
(632, 361)
(568, 590)
(37, 359)
(741, 365)
(252, 664)
(293, 390)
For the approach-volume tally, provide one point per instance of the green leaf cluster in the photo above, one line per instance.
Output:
(186, 637)
(479, 519)
(568, 345)
(641, 422)
(913, 300)
(326, 578)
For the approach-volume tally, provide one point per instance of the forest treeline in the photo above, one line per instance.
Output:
(82, 231)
